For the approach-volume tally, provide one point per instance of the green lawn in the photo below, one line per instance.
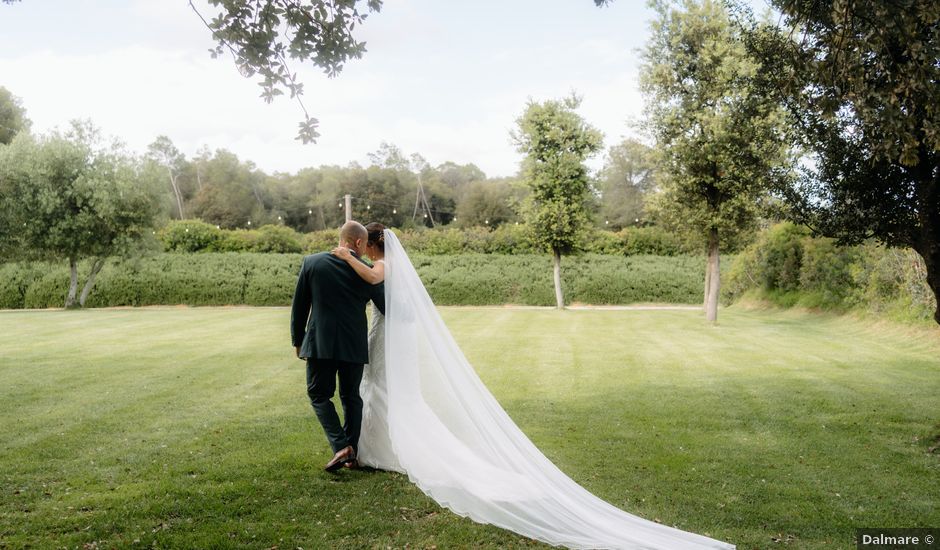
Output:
(181, 427)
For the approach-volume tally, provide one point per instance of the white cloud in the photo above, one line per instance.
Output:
(457, 102)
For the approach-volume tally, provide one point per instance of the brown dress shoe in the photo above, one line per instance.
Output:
(341, 457)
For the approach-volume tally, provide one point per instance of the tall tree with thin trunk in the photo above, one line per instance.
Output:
(720, 140)
(163, 152)
(556, 141)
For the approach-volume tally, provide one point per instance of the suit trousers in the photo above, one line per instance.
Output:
(321, 385)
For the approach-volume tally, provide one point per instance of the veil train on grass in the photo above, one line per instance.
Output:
(458, 445)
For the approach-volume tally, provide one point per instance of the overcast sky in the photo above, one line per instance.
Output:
(446, 79)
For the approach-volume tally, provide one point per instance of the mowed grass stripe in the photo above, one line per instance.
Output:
(190, 427)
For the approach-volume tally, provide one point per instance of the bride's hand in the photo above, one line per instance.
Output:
(342, 253)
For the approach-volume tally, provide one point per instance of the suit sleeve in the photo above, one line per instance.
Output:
(300, 307)
(377, 295)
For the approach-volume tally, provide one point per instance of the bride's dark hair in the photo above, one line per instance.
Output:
(376, 235)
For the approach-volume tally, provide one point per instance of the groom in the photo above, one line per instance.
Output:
(329, 330)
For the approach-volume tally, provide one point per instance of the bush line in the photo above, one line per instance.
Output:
(215, 279)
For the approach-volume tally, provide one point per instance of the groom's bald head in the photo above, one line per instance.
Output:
(353, 235)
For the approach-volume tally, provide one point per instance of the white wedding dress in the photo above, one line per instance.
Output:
(427, 414)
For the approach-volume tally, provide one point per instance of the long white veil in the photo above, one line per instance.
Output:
(460, 447)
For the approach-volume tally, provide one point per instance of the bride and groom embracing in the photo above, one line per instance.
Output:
(419, 408)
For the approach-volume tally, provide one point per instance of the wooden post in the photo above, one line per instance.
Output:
(348, 207)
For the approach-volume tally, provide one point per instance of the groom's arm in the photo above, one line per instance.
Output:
(377, 295)
(300, 308)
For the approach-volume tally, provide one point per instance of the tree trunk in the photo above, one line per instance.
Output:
(73, 283)
(559, 298)
(90, 283)
(708, 282)
(928, 246)
(713, 275)
(933, 279)
(176, 191)
(929, 213)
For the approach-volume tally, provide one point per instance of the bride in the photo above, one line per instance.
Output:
(428, 415)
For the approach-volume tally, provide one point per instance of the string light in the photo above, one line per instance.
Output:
(394, 211)
(249, 222)
(310, 212)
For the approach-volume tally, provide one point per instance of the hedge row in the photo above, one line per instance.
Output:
(197, 236)
(789, 267)
(268, 280)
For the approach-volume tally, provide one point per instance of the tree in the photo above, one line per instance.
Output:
(261, 36)
(556, 141)
(71, 198)
(861, 84)
(163, 152)
(455, 176)
(487, 203)
(721, 140)
(625, 180)
(12, 116)
(233, 194)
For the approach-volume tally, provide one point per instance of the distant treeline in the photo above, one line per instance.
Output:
(395, 189)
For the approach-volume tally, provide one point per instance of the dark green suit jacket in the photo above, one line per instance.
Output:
(328, 316)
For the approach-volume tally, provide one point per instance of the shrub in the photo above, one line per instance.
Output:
(49, 289)
(650, 240)
(826, 272)
(510, 239)
(269, 280)
(319, 241)
(603, 242)
(189, 236)
(780, 257)
(277, 239)
(790, 268)
(434, 241)
(15, 279)
(233, 240)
